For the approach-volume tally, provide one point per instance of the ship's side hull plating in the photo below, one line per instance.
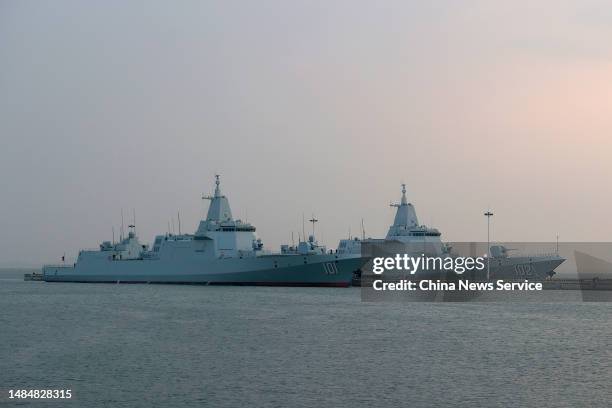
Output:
(271, 270)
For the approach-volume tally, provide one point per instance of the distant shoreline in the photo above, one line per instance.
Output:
(18, 268)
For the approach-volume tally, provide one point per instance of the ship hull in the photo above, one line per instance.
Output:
(519, 268)
(319, 270)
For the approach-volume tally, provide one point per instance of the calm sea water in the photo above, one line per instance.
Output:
(176, 346)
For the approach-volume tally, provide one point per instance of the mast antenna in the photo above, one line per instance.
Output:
(178, 214)
(121, 232)
(303, 228)
(362, 230)
(313, 220)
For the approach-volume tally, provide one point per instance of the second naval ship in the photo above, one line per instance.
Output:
(408, 236)
(222, 251)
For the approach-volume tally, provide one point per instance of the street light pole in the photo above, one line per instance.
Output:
(488, 214)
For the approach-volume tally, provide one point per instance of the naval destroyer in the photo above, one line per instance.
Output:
(222, 251)
(408, 236)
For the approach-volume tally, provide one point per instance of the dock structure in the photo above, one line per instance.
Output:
(577, 284)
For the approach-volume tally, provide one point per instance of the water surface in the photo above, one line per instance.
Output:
(174, 345)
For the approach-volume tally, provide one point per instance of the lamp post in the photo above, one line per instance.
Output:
(488, 214)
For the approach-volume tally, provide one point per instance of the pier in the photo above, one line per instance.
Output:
(577, 284)
(34, 276)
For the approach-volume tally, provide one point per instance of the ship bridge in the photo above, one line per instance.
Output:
(219, 216)
(229, 235)
(406, 229)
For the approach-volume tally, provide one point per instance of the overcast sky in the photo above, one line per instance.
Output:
(303, 107)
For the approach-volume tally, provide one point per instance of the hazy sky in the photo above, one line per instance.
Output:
(303, 106)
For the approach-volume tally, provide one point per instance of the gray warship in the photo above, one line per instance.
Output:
(408, 236)
(222, 251)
